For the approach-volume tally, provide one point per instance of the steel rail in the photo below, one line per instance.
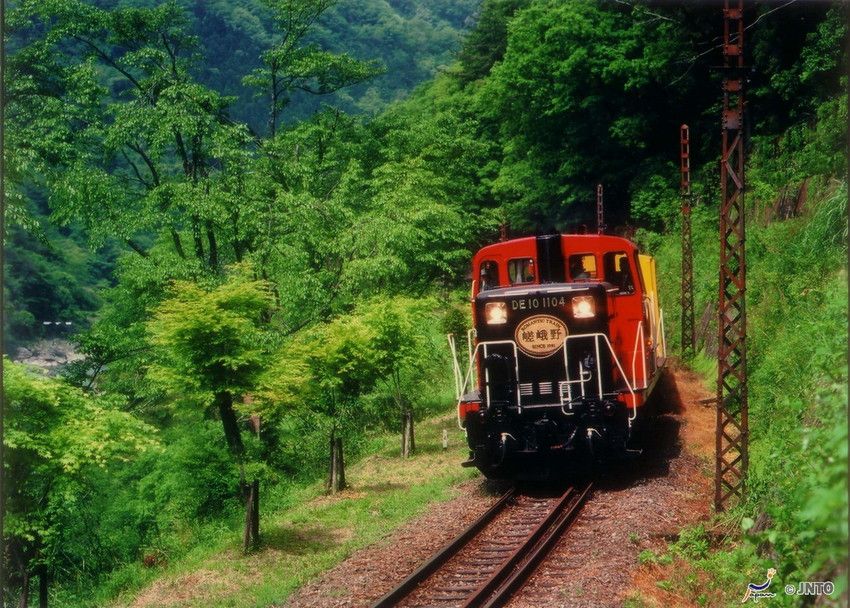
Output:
(502, 582)
(526, 567)
(443, 555)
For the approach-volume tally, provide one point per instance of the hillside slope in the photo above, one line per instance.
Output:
(412, 38)
(797, 363)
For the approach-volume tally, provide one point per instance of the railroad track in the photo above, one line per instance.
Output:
(489, 561)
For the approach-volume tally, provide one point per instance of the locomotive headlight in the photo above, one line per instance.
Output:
(496, 313)
(584, 307)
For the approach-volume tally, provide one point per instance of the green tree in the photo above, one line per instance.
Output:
(56, 438)
(294, 65)
(578, 97)
(208, 346)
(485, 45)
(325, 368)
(401, 351)
(137, 147)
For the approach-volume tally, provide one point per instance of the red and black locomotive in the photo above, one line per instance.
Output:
(567, 343)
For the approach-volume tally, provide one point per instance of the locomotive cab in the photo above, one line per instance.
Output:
(567, 343)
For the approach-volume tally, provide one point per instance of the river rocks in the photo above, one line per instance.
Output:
(48, 355)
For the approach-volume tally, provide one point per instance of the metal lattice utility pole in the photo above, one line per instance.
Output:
(688, 340)
(600, 218)
(732, 422)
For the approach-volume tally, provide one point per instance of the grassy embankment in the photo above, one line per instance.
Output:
(305, 531)
(794, 518)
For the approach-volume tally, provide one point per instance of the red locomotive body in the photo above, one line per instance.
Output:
(567, 343)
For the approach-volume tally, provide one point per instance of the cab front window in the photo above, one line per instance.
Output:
(521, 270)
(582, 266)
(617, 272)
(488, 275)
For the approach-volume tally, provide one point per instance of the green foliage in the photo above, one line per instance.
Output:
(485, 45)
(57, 439)
(290, 65)
(325, 368)
(413, 39)
(577, 97)
(49, 279)
(208, 346)
(361, 368)
(208, 340)
(655, 201)
(193, 478)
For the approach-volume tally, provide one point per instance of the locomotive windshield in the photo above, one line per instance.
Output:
(616, 265)
(583, 266)
(489, 275)
(521, 271)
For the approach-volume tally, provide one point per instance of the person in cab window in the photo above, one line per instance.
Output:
(527, 271)
(489, 276)
(577, 270)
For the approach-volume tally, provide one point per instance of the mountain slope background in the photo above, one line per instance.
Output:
(412, 39)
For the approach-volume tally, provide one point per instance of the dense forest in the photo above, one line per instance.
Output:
(404, 43)
(261, 234)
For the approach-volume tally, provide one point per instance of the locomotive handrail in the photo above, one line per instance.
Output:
(639, 337)
(455, 365)
(487, 371)
(456, 369)
(568, 384)
(470, 334)
(663, 336)
(596, 337)
(468, 375)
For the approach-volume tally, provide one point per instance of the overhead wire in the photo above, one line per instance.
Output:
(692, 60)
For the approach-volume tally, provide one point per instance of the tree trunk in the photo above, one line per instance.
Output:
(255, 524)
(273, 99)
(340, 461)
(24, 600)
(329, 482)
(196, 236)
(178, 244)
(408, 445)
(251, 536)
(224, 400)
(42, 587)
(213, 244)
(336, 477)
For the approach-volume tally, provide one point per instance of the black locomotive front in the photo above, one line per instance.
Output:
(547, 385)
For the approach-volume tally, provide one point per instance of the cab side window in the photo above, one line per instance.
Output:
(582, 266)
(521, 270)
(617, 271)
(488, 276)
